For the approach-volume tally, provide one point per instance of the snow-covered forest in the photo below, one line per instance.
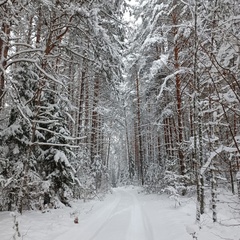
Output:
(97, 94)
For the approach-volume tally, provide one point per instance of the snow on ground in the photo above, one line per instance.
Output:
(126, 214)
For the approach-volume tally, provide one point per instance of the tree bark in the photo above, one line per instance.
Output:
(141, 161)
(4, 47)
(178, 98)
(94, 128)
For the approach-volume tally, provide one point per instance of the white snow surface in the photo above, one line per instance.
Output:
(126, 214)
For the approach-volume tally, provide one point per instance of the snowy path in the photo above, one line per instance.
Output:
(127, 215)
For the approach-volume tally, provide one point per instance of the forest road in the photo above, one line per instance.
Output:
(128, 214)
(121, 217)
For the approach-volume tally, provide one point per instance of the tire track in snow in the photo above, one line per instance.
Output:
(140, 227)
(89, 226)
(90, 232)
(122, 218)
(113, 215)
(128, 220)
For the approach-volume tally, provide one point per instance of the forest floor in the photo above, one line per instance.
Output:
(126, 214)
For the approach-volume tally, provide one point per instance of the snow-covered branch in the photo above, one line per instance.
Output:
(3, 2)
(59, 134)
(215, 153)
(54, 144)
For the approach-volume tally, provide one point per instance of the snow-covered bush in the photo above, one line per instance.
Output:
(153, 178)
(158, 181)
(175, 184)
(100, 174)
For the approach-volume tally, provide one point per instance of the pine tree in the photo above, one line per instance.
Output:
(16, 139)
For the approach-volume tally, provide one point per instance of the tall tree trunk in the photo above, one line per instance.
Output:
(136, 149)
(130, 169)
(108, 151)
(198, 141)
(159, 150)
(166, 137)
(94, 128)
(23, 191)
(141, 161)
(87, 112)
(4, 47)
(81, 103)
(214, 194)
(30, 29)
(39, 27)
(178, 98)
